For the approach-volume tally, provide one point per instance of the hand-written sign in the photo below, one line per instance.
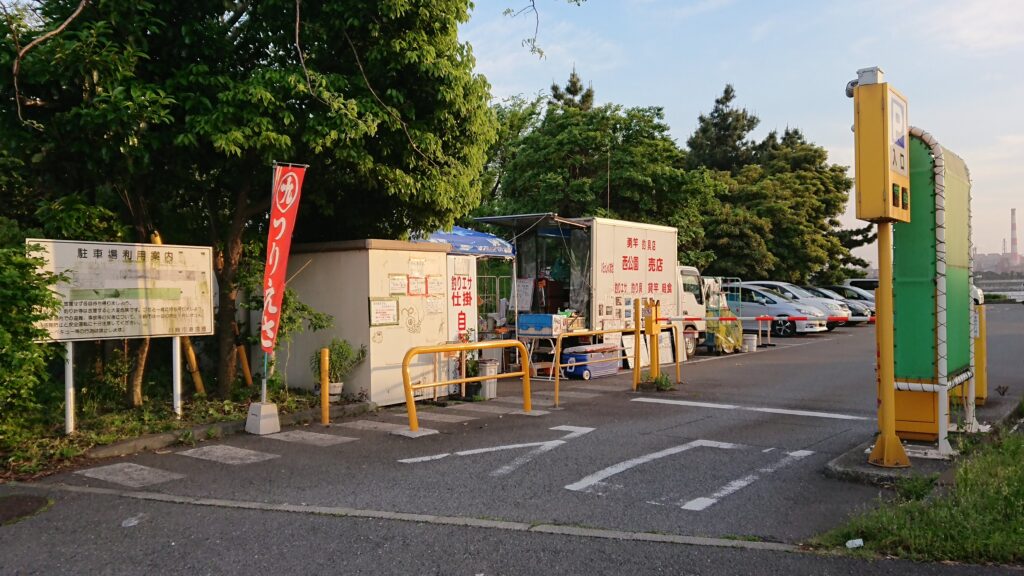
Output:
(383, 311)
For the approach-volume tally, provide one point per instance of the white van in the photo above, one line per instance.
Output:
(692, 306)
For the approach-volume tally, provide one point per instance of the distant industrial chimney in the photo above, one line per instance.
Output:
(1014, 256)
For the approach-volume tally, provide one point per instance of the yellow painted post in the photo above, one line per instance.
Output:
(888, 451)
(462, 370)
(325, 387)
(653, 331)
(526, 403)
(981, 360)
(410, 402)
(675, 338)
(637, 342)
(243, 361)
(556, 365)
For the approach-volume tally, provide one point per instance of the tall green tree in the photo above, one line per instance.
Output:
(517, 117)
(173, 112)
(781, 190)
(574, 95)
(720, 141)
(608, 161)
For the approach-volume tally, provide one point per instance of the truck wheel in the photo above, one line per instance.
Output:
(690, 344)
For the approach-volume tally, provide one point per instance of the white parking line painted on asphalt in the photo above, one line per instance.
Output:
(538, 449)
(786, 411)
(131, 475)
(698, 504)
(597, 478)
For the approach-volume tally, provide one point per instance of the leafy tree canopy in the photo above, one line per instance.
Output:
(171, 113)
(586, 160)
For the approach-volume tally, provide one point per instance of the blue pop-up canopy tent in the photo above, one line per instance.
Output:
(472, 243)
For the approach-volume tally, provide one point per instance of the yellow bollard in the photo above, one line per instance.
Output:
(981, 360)
(325, 387)
(653, 331)
(637, 342)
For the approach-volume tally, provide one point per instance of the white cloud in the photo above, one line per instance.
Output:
(512, 69)
(980, 26)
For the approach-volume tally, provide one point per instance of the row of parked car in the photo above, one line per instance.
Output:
(800, 309)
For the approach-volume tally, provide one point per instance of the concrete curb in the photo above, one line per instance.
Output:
(853, 465)
(165, 439)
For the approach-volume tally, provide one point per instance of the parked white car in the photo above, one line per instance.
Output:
(838, 312)
(751, 302)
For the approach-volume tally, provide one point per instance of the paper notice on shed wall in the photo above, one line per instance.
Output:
(417, 267)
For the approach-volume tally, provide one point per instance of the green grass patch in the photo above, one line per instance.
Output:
(39, 447)
(980, 519)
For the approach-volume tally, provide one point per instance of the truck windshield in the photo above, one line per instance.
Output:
(691, 284)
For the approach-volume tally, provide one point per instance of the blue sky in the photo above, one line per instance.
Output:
(960, 64)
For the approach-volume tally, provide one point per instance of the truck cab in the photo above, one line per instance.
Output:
(692, 306)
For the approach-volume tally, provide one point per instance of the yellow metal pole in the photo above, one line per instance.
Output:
(243, 362)
(556, 365)
(675, 338)
(193, 365)
(654, 329)
(462, 370)
(325, 387)
(888, 451)
(981, 360)
(527, 404)
(410, 402)
(637, 342)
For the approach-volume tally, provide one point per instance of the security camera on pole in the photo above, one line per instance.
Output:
(263, 418)
(882, 138)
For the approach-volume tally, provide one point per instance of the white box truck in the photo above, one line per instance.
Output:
(599, 266)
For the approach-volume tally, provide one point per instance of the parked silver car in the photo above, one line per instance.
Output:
(838, 312)
(860, 311)
(753, 302)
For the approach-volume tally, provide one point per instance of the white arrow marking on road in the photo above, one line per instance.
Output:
(698, 504)
(573, 432)
(540, 448)
(586, 484)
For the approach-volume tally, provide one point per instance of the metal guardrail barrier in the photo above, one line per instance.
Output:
(410, 400)
(557, 364)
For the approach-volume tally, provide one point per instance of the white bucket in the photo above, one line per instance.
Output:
(750, 342)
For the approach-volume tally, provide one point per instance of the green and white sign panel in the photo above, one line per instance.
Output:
(932, 270)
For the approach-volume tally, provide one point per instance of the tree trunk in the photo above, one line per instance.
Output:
(227, 260)
(138, 369)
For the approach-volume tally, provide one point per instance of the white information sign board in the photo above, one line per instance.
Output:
(120, 290)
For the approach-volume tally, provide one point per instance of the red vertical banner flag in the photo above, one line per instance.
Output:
(283, 211)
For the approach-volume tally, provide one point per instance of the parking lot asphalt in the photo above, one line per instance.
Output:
(728, 468)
